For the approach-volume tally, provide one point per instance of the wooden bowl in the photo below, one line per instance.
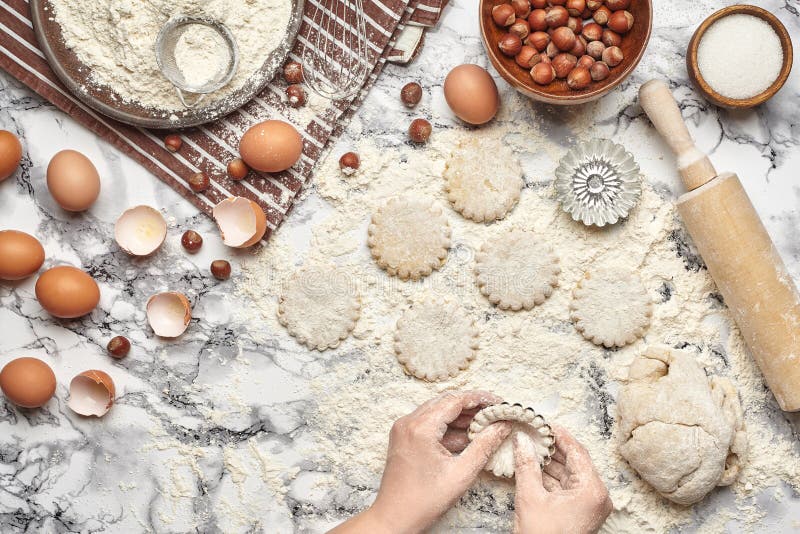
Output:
(724, 101)
(633, 46)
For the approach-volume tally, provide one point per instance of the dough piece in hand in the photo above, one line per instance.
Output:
(409, 237)
(516, 270)
(483, 179)
(525, 422)
(319, 306)
(682, 431)
(435, 339)
(611, 308)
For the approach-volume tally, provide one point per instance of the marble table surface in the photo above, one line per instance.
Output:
(135, 470)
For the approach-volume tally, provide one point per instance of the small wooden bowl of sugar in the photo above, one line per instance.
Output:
(740, 56)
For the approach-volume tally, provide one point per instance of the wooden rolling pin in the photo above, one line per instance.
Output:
(737, 250)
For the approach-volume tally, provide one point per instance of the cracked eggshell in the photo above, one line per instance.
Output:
(91, 393)
(169, 313)
(241, 222)
(140, 231)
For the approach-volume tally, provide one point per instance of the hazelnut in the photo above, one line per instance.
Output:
(411, 94)
(539, 40)
(580, 47)
(527, 57)
(509, 44)
(191, 241)
(237, 169)
(173, 142)
(520, 28)
(295, 95)
(557, 2)
(522, 8)
(552, 50)
(611, 38)
(599, 71)
(563, 38)
(601, 15)
(118, 347)
(293, 72)
(595, 49)
(349, 163)
(503, 15)
(587, 14)
(585, 61)
(616, 5)
(557, 16)
(575, 7)
(538, 20)
(620, 21)
(613, 56)
(592, 31)
(563, 64)
(579, 78)
(221, 269)
(199, 182)
(420, 130)
(575, 24)
(594, 5)
(543, 73)
(538, 4)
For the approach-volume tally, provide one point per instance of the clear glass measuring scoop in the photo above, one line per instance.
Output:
(167, 43)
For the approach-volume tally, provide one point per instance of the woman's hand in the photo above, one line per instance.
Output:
(423, 478)
(568, 496)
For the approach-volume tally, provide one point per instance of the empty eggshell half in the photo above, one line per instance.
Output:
(169, 313)
(241, 222)
(140, 231)
(91, 393)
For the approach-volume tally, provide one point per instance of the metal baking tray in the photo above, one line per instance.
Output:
(75, 74)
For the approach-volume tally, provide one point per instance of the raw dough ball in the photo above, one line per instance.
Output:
(516, 270)
(409, 237)
(682, 431)
(611, 307)
(319, 306)
(435, 339)
(525, 422)
(483, 179)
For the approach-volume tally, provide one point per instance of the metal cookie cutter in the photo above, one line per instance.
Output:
(598, 182)
(168, 38)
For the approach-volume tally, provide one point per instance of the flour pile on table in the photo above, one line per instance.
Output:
(116, 40)
(534, 357)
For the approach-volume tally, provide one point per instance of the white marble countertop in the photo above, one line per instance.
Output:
(135, 470)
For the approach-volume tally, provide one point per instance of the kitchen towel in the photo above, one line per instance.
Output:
(210, 147)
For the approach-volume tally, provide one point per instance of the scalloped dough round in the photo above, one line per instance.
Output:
(435, 339)
(319, 306)
(525, 422)
(516, 270)
(483, 179)
(611, 307)
(409, 238)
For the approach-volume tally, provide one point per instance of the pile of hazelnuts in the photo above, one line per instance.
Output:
(576, 40)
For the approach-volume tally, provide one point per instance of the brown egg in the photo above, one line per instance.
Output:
(67, 292)
(21, 255)
(73, 180)
(472, 94)
(10, 154)
(271, 146)
(28, 382)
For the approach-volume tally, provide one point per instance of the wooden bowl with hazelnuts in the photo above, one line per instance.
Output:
(565, 51)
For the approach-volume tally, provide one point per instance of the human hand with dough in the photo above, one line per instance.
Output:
(567, 495)
(430, 464)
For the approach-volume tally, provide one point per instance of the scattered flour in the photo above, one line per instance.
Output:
(115, 39)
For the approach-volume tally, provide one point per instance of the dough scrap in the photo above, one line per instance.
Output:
(409, 238)
(611, 307)
(525, 422)
(319, 306)
(682, 431)
(435, 339)
(483, 179)
(516, 270)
